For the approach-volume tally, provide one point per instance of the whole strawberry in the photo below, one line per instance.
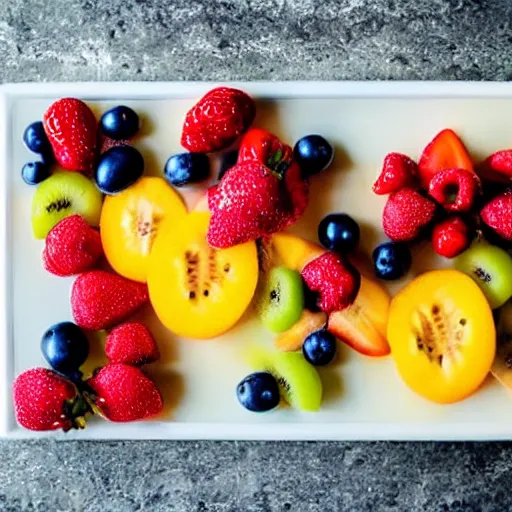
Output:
(406, 214)
(131, 343)
(100, 299)
(43, 400)
(71, 129)
(262, 194)
(123, 393)
(336, 282)
(450, 237)
(398, 171)
(497, 214)
(71, 247)
(501, 162)
(217, 120)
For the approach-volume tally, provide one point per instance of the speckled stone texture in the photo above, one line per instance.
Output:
(46, 40)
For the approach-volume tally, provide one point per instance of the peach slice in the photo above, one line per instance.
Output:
(363, 325)
(295, 252)
(293, 338)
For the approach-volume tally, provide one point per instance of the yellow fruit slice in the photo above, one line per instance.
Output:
(197, 291)
(442, 335)
(295, 252)
(130, 221)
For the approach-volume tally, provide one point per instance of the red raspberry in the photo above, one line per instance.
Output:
(405, 214)
(336, 281)
(455, 189)
(497, 214)
(398, 171)
(450, 237)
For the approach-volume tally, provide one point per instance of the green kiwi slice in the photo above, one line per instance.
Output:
(61, 195)
(282, 300)
(299, 381)
(491, 268)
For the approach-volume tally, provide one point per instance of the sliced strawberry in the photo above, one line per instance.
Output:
(445, 151)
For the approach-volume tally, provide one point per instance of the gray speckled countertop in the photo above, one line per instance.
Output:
(46, 40)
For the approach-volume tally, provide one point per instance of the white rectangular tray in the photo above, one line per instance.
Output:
(365, 399)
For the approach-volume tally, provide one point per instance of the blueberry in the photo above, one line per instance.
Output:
(35, 172)
(319, 348)
(314, 154)
(187, 168)
(258, 392)
(118, 168)
(36, 140)
(120, 123)
(391, 260)
(228, 160)
(65, 347)
(339, 232)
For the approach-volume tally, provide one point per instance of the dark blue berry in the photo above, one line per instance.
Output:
(228, 160)
(258, 392)
(187, 168)
(391, 260)
(319, 348)
(65, 347)
(36, 140)
(314, 154)
(35, 172)
(120, 123)
(118, 168)
(339, 232)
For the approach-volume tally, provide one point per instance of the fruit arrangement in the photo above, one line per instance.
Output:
(129, 241)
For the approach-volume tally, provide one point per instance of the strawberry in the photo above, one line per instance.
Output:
(405, 215)
(71, 129)
(497, 214)
(398, 171)
(100, 299)
(71, 247)
(501, 162)
(217, 120)
(450, 237)
(262, 146)
(123, 393)
(131, 343)
(262, 194)
(43, 400)
(445, 151)
(336, 281)
(455, 189)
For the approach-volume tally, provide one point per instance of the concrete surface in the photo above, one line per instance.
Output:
(254, 39)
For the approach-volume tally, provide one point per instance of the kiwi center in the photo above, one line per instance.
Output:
(58, 205)
(203, 272)
(439, 331)
(482, 275)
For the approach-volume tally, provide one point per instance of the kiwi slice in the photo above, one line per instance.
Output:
(491, 268)
(282, 299)
(61, 195)
(299, 382)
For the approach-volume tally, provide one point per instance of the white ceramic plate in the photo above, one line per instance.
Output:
(365, 398)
